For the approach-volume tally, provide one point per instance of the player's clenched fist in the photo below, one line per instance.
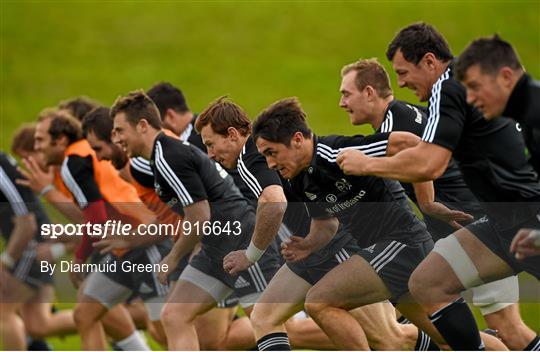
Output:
(235, 262)
(352, 162)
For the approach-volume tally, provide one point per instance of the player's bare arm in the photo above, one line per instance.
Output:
(198, 212)
(424, 162)
(271, 207)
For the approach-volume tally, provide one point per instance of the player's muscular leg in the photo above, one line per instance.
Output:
(378, 320)
(186, 302)
(87, 315)
(434, 283)
(283, 297)
(40, 322)
(13, 294)
(510, 327)
(212, 328)
(351, 284)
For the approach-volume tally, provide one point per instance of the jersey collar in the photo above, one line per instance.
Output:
(517, 103)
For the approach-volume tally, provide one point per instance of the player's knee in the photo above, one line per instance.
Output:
(262, 319)
(174, 314)
(315, 309)
(82, 316)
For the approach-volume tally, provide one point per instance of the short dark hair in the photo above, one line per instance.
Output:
(280, 121)
(166, 96)
(24, 138)
(99, 122)
(137, 106)
(62, 123)
(490, 54)
(222, 114)
(418, 39)
(78, 106)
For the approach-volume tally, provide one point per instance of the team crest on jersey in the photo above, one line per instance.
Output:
(311, 196)
(343, 185)
(331, 198)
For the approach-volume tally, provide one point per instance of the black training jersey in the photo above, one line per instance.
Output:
(140, 167)
(184, 175)
(370, 208)
(78, 175)
(401, 116)
(253, 171)
(524, 107)
(491, 154)
(16, 200)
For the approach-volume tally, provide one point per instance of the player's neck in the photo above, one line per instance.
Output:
(307, 153)
(379, 111)
(185, 121)
(149, 139)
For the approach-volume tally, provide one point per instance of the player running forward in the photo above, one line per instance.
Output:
(375, 211)
(215, 213)
(101, 194)
(494, 166)
(498, 85)
(177, 117)
(40, 177)
(225, 130)
(22, 282)
(367, 96)
(97, 127)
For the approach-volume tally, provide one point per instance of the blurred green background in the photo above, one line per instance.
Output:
(254, 51)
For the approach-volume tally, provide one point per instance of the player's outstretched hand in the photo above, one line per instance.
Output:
(295, 249)
(35, 177)
(442, 212)
(163, 275)
(235, 262)
(111, 243)
(351, 162)
(526, 243)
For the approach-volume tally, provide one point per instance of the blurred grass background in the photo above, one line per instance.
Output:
(254, 51)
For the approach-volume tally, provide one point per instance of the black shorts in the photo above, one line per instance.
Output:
(28, 269)
(499, 240)
(317, 265)
(142, 284)
(394, 262)
(249, 282)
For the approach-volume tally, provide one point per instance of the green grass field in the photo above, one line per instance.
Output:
(254, 51)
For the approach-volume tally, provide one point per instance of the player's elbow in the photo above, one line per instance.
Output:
(400, 141)
(429, 172)
(274, 198)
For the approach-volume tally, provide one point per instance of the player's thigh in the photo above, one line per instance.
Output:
(13, 290)
(489, 265)
(187, 300)
(213, 325)
(282, 298)
(349, 285)
(38, 308)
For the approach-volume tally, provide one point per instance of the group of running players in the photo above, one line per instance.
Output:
(315, 238)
